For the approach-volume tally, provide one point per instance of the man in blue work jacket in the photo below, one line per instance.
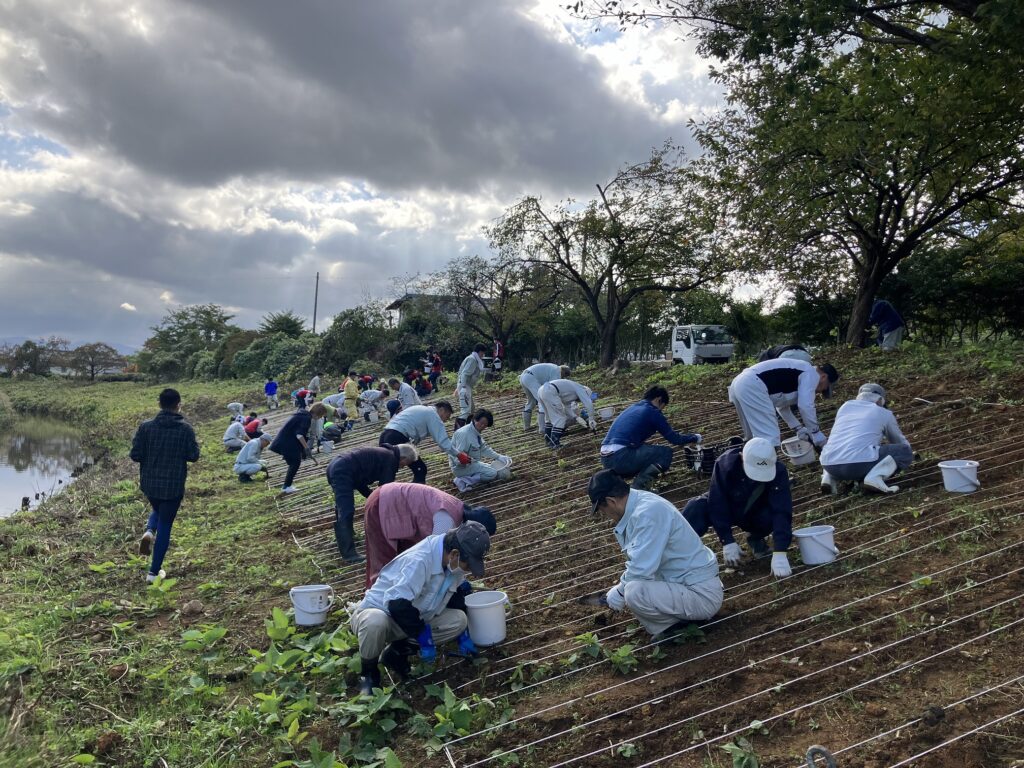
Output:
(624, 451)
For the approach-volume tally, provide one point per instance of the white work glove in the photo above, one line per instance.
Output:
(616, 598)
(731, 554)
(803, 433)
(592, 424)
(581, 421)
(697, 437)
(780, 565)
(819, 438)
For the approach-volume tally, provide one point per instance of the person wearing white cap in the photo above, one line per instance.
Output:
(750, 490)
(855, 451)
(670, 578)
(557, 396)
(776, 386)
(249, 460)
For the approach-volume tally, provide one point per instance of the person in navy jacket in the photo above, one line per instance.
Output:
(750, 490)
(624, 451)
(891, 326)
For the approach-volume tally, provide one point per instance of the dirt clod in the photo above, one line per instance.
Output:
(117, 671)
(873, 709)
(192, 608)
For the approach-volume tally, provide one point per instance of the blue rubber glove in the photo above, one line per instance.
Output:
(466, 645)
(428, 651)
(465, 588)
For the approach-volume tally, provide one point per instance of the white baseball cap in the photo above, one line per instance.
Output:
(759, 460)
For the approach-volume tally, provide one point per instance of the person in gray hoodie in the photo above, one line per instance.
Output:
(163, 447)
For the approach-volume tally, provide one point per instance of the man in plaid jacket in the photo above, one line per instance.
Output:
(162, 448)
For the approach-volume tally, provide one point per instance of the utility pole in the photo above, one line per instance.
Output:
(316, 297)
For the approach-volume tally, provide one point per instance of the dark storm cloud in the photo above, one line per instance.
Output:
(449, 95)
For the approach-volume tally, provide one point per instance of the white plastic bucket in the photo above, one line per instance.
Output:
(798, 450)
(606, 413)
(503, 463)
(486, 612)
(311, 603)
(960, 475)
(372, 416)
(817, 545)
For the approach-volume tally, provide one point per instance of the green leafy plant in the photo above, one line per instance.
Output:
(561, 528)
(627, 750)
(590, 643)
(622, 659)
(102, 568)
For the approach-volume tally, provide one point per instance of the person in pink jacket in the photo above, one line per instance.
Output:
(398, 515)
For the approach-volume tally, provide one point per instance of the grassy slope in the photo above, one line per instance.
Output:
(94, 663)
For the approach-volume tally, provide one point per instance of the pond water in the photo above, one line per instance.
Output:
(37, 459)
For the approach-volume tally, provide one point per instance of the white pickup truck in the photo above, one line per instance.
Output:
(697, 344)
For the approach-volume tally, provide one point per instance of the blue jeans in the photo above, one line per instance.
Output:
(160, 520)
(631, 461)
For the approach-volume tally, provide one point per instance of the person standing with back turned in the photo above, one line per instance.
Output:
(163, 448)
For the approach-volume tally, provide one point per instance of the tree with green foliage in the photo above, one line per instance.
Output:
(497, 297)
(844, 174)
(651, 229)
(273, 355)
(90, 359)
(170, 352)
(288, 323)
(360, 332)
(799, 31)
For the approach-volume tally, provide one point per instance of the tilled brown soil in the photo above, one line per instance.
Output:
(921, 609)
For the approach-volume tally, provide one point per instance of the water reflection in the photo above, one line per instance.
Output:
(37, 457)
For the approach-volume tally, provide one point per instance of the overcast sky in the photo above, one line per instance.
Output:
(178, 151)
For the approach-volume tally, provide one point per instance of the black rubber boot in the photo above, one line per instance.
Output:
(459, 422)
(645, 479)
(396, 658)
(347, 544)
(370, 678)
(759, 547)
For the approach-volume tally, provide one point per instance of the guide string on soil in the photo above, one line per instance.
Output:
(766, 720)
(790, 651)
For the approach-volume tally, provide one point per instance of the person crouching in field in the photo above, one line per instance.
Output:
(855, 450)
(671, 578)
(250, 458)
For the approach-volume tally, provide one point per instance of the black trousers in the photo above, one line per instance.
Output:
(294, 462)
(394, 437)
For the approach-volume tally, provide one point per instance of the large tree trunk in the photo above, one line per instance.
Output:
(609, 341)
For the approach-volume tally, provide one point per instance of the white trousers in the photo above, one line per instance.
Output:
(660, 604)
(466, 403)
(554, 409)
(375, 629)
(755, 409)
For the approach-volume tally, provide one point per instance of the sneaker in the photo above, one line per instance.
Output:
(151, 577)
(288, 490)
(146, 542)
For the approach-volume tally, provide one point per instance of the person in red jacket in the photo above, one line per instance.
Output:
(398, 515)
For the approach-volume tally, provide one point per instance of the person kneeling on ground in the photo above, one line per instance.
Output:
(235, 436)
(399, 515)
(749, 489)
(468, 440)
(249, 460)
(419, 595)
(357, 470)
(624, 451)
(411, 425)
(671, 578)
(855, 452)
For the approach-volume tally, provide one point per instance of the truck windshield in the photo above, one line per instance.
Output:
(713, 335)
